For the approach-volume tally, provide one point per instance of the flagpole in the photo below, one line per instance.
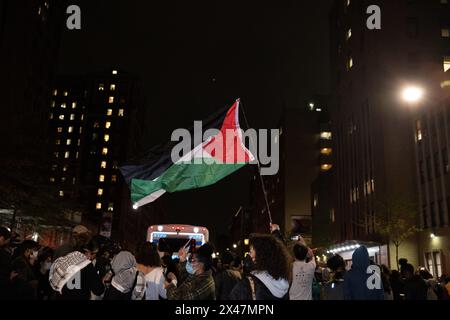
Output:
(253, 147)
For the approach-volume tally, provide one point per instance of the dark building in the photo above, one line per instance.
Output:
(322, 210)
(372, 122)
(30, 33)
(97, 125)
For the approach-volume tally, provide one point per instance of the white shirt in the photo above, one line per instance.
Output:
(302, 280)
(155, 285)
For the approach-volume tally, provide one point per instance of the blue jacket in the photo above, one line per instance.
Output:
(355, 281)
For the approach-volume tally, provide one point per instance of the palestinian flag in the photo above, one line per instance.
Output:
(206, 163)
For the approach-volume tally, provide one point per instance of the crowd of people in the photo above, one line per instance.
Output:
(94, 268)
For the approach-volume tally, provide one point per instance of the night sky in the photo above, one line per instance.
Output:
(196, 56)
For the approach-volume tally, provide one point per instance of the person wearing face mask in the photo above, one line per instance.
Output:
(195, 269)
(24, 281)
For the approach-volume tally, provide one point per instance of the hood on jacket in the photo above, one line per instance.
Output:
(360, 259)
(277, 288)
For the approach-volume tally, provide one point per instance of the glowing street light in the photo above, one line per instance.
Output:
(412, 94)
(135, 206)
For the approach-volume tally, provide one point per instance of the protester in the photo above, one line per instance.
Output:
(5, 262)
(196, 278)
(385, 278)
(24, 282)
(334, 289)
(355, 281)
(80, 237)
(226, 278)
(415, 287)
(397, 285)
(402, 263)
(303, 273)
(149, 263)
(42, 270)
(73, 277)
(127, 282)
(271, 273)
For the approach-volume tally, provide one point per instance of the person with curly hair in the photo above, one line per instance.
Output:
(272, 266)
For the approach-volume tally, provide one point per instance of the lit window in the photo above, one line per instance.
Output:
(66, 154)
(98, 206)
(311, 106)
(61, 193)
(114, 72)
(120, 112)
(60, 129)
(108, 125)
(349, 34)
(78, 142)
(61, 117)
(109, 112)
(101, 178)
(66, 93)
(106, 137)
(103, 165)
(111, 100)
(325, 135)
(113, 178)
(81, 130)
(82, 117)
(55, 92)
(74, 180)
(39, 10)
(105, 151)
(419, 130)
(76, 155)
(112, 87)
(63, 179)
(56, 154)
(350, 63)
(348, 2)
(65, 168)
(445, 33)
(332, 216)
(325, 151)
(111, 206)
(115, 165)
(69, 142)
(316, 200)
(63, 105)
(99, 192)
(70, 129)
(52, 179)
(326, 167)
(101, 87)
(72, 116)
(446, 63)
(53, 104)
(74, 105)
(58, 142)
(51, 116)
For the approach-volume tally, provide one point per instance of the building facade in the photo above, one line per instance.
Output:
(372, 123)
(96, 125)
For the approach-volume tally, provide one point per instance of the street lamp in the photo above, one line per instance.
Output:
(412, 94)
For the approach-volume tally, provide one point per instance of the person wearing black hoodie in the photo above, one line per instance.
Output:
(271, 273)
(415, 287)
(356, 280)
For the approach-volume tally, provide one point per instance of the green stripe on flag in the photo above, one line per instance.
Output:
(183, 176)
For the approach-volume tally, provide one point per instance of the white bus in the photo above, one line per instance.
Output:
(172, 237)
